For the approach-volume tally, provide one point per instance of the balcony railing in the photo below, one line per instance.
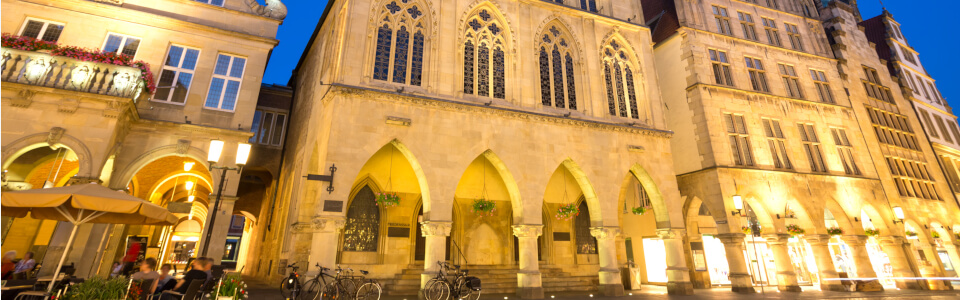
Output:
(42, 69)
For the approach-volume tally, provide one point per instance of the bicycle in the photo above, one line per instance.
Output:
(312, 288)
(346, 286)
(462, 287)
(290, 287)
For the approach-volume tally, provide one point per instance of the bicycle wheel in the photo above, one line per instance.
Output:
(311, 290)
(286, 287)
(466, 293)
(436, 290)
(369, 291)
(331, 291)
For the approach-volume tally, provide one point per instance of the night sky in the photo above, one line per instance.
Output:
(927, 25)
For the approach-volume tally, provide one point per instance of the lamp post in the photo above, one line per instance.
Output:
(213, 157)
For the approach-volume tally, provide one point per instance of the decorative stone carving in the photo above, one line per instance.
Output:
(604, 232)
(23, 99)
(274, 9)
(816, 239)
(68, 105)
(53, 138)
(776, 239)
(328, 224)
(83, 180)
(854, 240)
(531, 231)
(671, 233)
(183, 146)
(434, 228)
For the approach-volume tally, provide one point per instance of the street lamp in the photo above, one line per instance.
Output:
(737, 205)
(898, 214)
(213, 157)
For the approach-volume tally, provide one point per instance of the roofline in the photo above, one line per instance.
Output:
(316, 31)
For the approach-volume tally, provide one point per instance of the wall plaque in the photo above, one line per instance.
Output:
(398, 232)
(333, 205)
(561, 236)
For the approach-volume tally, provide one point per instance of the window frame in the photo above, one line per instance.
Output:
(773, 32)
(209, 2)
(756, 72)
(740, 148)
(845, 151)
(123, 40)
(46, 24)
(226, 78)
(796, 39)
(257, 137)
(788, 73)
(811, 141)
(820, 81)
(722, 19)
(178, 69)
(723, 61)
(776, 140)
(746, 22)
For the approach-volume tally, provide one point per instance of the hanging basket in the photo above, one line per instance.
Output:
(910, 233)
(834, 231)
(567, 212)
(483, 207)
(872, 232)
(388, 199)
(640, 210)
(746, 230)
(935, 235)
(793, 229)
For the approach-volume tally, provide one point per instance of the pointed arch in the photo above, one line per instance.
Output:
(381, 183)
(131, 169)
(660, 209)
(623, 81)
(486, 39)
(589, 194)
(875, 218)
(841, 216)
(402, 28)
(558, 55)
(513, 190)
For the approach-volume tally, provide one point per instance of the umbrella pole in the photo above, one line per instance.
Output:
(63, 257)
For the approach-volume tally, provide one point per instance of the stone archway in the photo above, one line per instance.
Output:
(54, 139)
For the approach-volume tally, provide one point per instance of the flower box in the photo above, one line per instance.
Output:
(567, 212)
(483, 207)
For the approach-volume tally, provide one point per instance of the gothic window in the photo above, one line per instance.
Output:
(362, 231)
(619, 77)
(557, 83)
(483, 57)
(586, 243)
(395, 61)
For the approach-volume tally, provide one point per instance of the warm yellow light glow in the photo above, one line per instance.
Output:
(190, 199)
(216, 147)
(188, 185)
(898, 212)
(187, 166)
(190, 216)
(243, 152)
(737, 202)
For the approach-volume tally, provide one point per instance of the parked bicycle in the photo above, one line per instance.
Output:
(460, 287)
(347, 286)
(290, 287)
(314, 286)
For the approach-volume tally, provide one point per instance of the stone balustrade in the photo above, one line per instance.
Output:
(42, 69)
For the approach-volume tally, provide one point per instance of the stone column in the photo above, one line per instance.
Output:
(324, 242)
(861, 258)
(529, 281)
(820, 245)
(678, 275)
(220, 228)
(435, 248)
(610, 282)
(934, 268)
(893, 247)
(786, 273)
(739, 274)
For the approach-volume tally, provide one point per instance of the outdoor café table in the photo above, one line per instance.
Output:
(16, 287)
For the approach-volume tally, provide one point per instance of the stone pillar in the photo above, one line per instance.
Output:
(739, 274)
(529, 281)
(786, 273)
(435, 249)
(610, 282)
(820, 245)
(893, 247)
(220, 228)
(324, 242)
(678, 275)
(934, 268)
(861, 258)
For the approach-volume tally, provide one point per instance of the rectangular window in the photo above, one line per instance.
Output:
(42, 29)
(124, 44)
(791, 82)
(225, 85)
(811, 145)
(925, 116)
(896, 29)
(722, 20)
(823, 87)
(908, 55)
(846, 151)
(923, 87)
(913, 178)
(953, 128)
(177, 74)
(773, 4)
(911, 83)
(268, 127)
(739, 139)
(212, 2)
(943, 128)
(749, 28)
(935, 95)
(777, 144)
(893, 129)
(794, 33)
(873, 87)
(721, 67)
(758, 76)
(773, 34)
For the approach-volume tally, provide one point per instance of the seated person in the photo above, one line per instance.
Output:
(24, 266)
(197, 272)
(147, 272)
(165, 277)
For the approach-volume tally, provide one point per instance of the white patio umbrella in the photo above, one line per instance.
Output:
(81, 204)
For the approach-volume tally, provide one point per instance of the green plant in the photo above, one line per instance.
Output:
(567, 212)
(872, 232)
(935, 235)
(793, 229)
(231, 285)
(483, 207)
(388, 199)
(746, 230)
(834, 231)
(640, 210)
(910, 233)
(98, 288)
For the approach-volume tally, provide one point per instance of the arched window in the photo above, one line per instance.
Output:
(618, 76)
(588, 5)
(557, 84)
(483, 57)
(362, 231)
(400, 37)
(586, 243)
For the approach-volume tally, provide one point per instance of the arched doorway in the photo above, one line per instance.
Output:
(482, 235)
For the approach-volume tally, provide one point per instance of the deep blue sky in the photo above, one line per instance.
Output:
(926, 27)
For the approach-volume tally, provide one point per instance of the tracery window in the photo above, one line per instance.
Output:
(362, 230)
(400, 42)
(586, 243)
(621, 88)
(557, 83)
(483, 56)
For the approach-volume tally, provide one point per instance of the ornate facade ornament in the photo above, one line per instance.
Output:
(328, 224)
(671, 233)
(83, 180)
(274, 9)
(23, 99)
(183, 146)
(434, 228)
(604, 232)
(53, 138)
(68, 105)
(527, 230)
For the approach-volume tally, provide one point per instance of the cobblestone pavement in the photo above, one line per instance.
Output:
(260, 291)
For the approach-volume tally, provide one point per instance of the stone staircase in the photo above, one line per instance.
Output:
(499, 280)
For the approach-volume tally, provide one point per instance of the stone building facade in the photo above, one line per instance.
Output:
(69, 121)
